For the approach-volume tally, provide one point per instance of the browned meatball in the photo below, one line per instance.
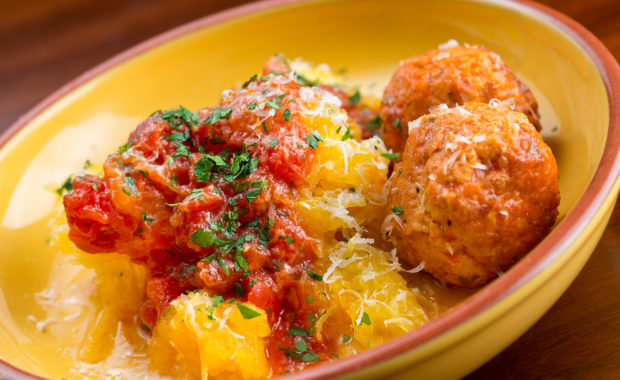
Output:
(451, 76)
(476, 189)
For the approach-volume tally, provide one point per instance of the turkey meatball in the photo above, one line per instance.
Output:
(476, 189)
(453, 75)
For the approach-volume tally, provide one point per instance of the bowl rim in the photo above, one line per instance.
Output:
(550, 249)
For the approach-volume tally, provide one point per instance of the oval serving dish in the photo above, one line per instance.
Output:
(574, 77)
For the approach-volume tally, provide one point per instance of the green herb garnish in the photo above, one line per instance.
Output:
(247, 312)
(203, 238)
(397, 210)
(131, 183)
(314, 276)
(296, 331)
(218, 114)
(391, 156)
(355, 98)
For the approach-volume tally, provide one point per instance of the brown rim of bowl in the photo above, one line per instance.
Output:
(540, 257)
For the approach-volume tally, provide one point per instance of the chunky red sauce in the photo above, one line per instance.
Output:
(205, 201)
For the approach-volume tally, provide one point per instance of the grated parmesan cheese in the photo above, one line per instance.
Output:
(451, 43)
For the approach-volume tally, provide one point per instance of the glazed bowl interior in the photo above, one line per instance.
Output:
(192, 66)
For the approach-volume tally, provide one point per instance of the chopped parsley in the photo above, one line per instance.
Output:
(217, 300)
(242, 164)
(239, 290)
(246, 312)
(252, 106)
(178, 136)
(146, 219)
(289, 240)
(312, 318)
(262, 230)
(240, 262)
(355, 98)
(240, 187)
(397, 210)
(396, 124)
(251, 194)
(302, 80)
(276, 265)
(301, 345)
(313, 139)
(131, 183)
(208, 259)
(314, 276)
(262, 184)
(375, 123)
(182, 150)
(217, 160)
(310, 357)
(189, 268)
(222, 264)
(276, 102)
(219, 114)
(217, 140)
(365, 319)
(391, 156)
(296, 331)
(203, 238)
(177, 116)
(273, 143)
(202, 169)
(253, 78)
(66, 186)
(286, 115)
(306, 357)
(196, 193)
(347, 134)
(124, 148)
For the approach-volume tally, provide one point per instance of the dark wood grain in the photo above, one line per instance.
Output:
(45, 43)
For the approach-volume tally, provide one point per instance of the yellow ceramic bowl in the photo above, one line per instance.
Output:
(570, 72)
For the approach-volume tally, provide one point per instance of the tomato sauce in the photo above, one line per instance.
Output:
(205, 200)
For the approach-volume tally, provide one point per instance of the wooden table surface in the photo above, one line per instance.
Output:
(46, 43)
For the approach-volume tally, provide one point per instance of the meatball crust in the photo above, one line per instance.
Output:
(450, 76)
(477, 188)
